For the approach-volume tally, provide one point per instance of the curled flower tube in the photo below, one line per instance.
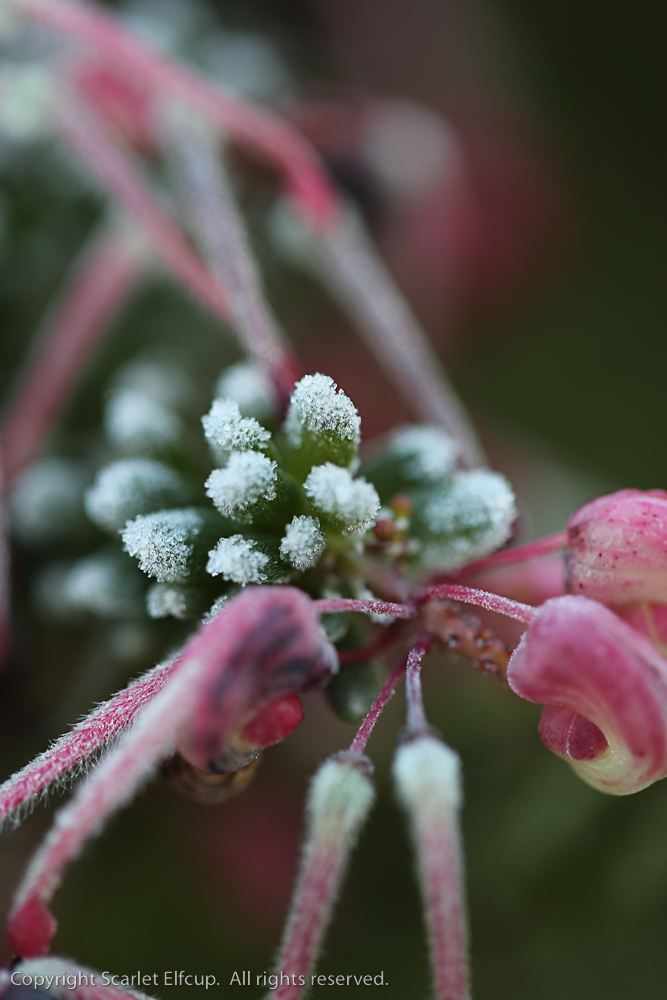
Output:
(604, 688)
(617, 548)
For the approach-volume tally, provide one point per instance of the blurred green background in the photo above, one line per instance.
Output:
(562, 361)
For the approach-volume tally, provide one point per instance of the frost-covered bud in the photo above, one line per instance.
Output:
(138, 425)
(417, 455)
(303, 542)
(353, 690)
(47, 502)
(26, 96)
(133, 486)
(227, 431)
(246, 485)
(617, 548)
(464, 520)
(106, 584)
(250, 388)
(162, 381)
(605, 690)
(178, 600)
(172, 545)
(428, 784)
(341, 499)
(339, 800)
(244, 560)
(322, 425)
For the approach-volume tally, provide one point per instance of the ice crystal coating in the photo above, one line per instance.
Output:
(303, 543)
(227, 431)
(321, 418)
(105, 584)
(354, 503)
(166, 599)
(470, 518)
(426, 453)
(136, 424)
(250, 388)
(239, 560)
(130, 487)
(248, 478)
(47, 502)
(164, 542)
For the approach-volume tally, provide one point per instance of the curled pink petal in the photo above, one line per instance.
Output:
(617, 548)
(605, 690)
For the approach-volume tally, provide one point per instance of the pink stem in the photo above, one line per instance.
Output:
(270, 137)
(413, 686)
(119, 173)
(358, 744)
(5, 588)
(202, 177)
(87, 739)
(510, 557)
(99, 285)
(330, 605)
(358, 276)
(480, 598)
(384, 641)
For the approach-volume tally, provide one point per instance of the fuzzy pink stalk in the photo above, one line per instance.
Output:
(70, 753)
(101, 281)
(339, 800)
(511, 557)
(73, 980)
(358, 276)
(120, 174)
(480, 598)
(385, 640)
(358, 744)
(266, 642)
(206, 190)
(413, 688)
(274, 140)
(329, 605)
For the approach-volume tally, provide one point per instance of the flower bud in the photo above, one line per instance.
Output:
(617, 548)
(322, 425)
(605, 690)
(133, 486)
(172, 545)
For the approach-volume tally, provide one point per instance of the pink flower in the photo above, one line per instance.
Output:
(604, 688)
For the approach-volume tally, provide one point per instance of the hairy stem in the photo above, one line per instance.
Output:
(480, 598)
(413, 687)
(205, 189)
(97, 288)
(358, 744)
(330, 605)
(358, 276)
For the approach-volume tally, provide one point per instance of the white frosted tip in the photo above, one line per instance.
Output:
(227, 431)
(304, 542)
(239, 560)
(247, 478)
(136, 424)
(104, 585)
(427, 775)
(320, 407)
(427, 453)
(163, 542)
(250, 388)
(47, 502)
(336, 492)
(132, 486)
(164, 600)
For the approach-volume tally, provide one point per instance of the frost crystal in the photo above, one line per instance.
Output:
(130, 487)
(426, 453)
(317, 407)
(246, 385)
(47, 503)
(304, 542)
(104, 584)
(333, 490)
(227, 431)
(472, 518)
(163, 600)
(137, 424)
(164, 542)
(239, 560)
(248, 478)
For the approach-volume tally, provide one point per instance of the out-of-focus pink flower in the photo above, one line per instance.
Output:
(604, 687)
(617, 548)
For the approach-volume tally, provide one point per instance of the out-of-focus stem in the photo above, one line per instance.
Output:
(512, 557)
(339, 800)
(5, 629)
(205, 189)
(358, 277)
(273, 139)
(101, 280)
